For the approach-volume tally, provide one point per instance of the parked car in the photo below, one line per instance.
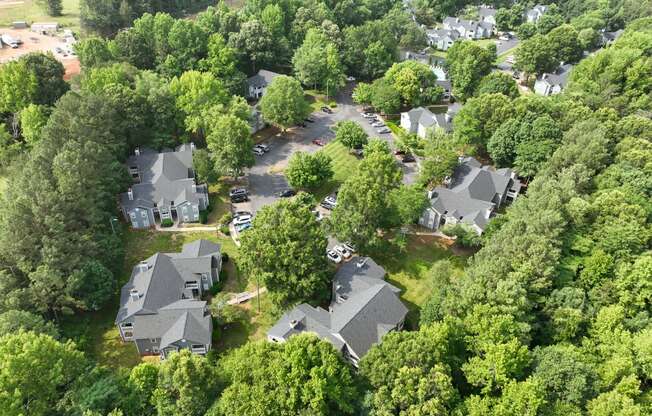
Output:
(243, 219)
(239, 198)
(318, 142)
(310, 120)
(350, 78)
(327, 205)
(378, 124)
(408, 158)
(331, 199)
(258, 151)
(238, 191)
(349, 246)
(262, 146)
(243, 227)
(286, 193)
(342, 251)
(334, 256)
(318, 215)
(368, 115)
(372, 120)
(505, 36)
(399, 152)
(238, 214)
(326, 110)
(384, 130)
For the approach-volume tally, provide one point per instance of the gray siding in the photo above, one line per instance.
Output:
(141, 218)
(188, 212)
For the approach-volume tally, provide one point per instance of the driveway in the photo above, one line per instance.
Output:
(266, 178)
(506, 45)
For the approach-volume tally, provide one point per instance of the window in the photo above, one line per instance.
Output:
(129, 334)
(132, 215)
(152, 340)
(155, 350)
(143, 214)
(127, 325)
(195, 209)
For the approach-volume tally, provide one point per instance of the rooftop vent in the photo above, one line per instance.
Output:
(137, 151)
(130, 194)
(361, 263)
(143, 266)
(294, 323)
(133, 293)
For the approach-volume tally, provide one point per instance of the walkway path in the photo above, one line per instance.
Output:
(186, 229)
(245, 296)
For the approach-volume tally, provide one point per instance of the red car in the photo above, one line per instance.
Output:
(318, 142)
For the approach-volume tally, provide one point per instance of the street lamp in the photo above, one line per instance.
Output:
(111, 220)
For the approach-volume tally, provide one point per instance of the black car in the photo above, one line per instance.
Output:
(326, 110)
(327, 205)
(287, 193)
(239, 198)
(408, 158)
(301, 124)
(237, 191)
(310, 120)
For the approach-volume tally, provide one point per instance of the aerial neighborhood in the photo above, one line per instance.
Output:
(253, 208)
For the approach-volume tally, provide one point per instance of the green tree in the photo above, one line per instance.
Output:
(143, 380)
(440, 158)
(204, 166)
(350, 134)
(12, 321)
(317, 63)
(222, 63)
(223, 313)
(187, 46)
(32, 120)
(464, 235)
(384, 97)
(93, 51)
(480, 117)
(536, 56)
(362, 203)
(415, 82)
(284, 104)
(303, 375)
(49, 77)
(187, 385)
(301, 273)
(196, 93)
(362, 93)
(565, 42)
(503, 142)
(51, 7)
(309, 171)
(133, 46)
(255, 44)
(467, 63)
(497, 364)
(408, 203)
(18, 88)
(498, 82)
(35, 373)
(229, 142)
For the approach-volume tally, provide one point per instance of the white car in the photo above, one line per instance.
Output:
(349, 246)
(350, 78)
(333, 256)
(331, 200)
(263, 147)
(378, 124)
(342, 251)
(384, 130)
(318, 215)
(242, 219)
(368, 115)
(258, 151)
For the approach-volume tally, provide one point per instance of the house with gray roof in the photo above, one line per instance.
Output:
(534, 14)
(164, 188)
(161, 310)
(470, 196)
(487, 14)
(257, 84)
(419, 120)
(469, 29)
(608, 38)
(363, 308)
(554, 83)
(442, 39)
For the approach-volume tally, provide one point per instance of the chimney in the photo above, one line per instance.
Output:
(361, 263)
(137, 151)
(194, 188)
(130, 193)
(143, 266)
(294, 323)
(457, 20)
(133, 293)
(192, 146)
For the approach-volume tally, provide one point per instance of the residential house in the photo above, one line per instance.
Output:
(470, 196)
(550, 84)
(442, 39)
(161, 310)
(534, 14)
(469, 29)
(364, 307)
(258, 83)
(447, 86)
(45, 28)
(419, 120)
(487, 14)
(165, 188)
(609, 38)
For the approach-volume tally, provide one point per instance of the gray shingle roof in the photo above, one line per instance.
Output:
(428, 119)
(162, 297)
(472, 192)
(486, 11)
(366, 308)
(559, 77)
(262, 79)
(165, 178)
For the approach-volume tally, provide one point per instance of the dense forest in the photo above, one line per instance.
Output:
(552, 315)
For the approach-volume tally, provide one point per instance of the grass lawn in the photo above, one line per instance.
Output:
(408, 270)
(395, 128)
(317, 100)
(30, 12)
(344, 164)
(218, 195)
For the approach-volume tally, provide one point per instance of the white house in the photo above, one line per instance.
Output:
(551, 84)
(469, 29)
(258, 83)
(442, 39)
(419, 120)
(45, 28)
(487, 14)
(534, 14)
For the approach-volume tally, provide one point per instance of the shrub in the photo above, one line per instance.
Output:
(465, 236)
(167, 222)
(217, 287)
(226, 218)
(203, 216)
(224, 229)
(225, 259)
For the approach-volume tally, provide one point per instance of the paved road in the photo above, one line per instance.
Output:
(265, 177)
(506, 45)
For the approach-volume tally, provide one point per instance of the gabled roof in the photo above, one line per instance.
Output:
(366, 308)
(165, 178)
(559, 77)
(164, 305)
(262, 79)
(428, 119)
(472, 192)
(443, 34)
(484, 11)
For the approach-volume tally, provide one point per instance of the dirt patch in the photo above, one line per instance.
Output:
(36, 42)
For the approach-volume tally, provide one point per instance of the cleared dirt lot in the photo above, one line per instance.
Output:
(35, 42)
